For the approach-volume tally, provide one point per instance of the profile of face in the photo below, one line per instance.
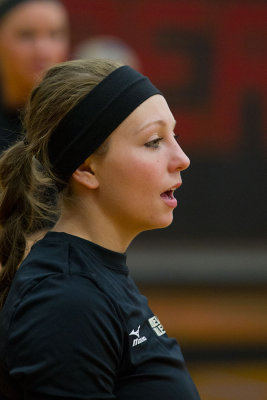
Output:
(33, 36)
(137, 175)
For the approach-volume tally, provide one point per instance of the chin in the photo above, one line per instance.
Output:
(160, 224)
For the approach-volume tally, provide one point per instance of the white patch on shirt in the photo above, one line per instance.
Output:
(156, 326)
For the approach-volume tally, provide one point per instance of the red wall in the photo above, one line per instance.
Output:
(208, 57)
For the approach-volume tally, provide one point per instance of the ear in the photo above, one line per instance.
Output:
(84, 175)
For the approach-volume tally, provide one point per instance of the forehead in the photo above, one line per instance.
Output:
(150, 111)
(35, 12)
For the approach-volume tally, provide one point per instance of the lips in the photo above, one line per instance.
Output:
(169, 192)
(168, 196)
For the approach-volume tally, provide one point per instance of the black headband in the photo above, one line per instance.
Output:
(8, 5)
(95, 117)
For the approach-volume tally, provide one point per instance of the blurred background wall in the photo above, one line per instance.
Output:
(206, 275)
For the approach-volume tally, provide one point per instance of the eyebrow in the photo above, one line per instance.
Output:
(157, 122)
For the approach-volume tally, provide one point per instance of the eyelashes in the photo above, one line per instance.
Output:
(154, 144)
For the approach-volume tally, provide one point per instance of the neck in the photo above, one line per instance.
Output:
(95, 227)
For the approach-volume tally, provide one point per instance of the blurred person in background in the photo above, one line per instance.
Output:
(34, 35)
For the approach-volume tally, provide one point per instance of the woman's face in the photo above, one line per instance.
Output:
(33, 37)
(141, 168)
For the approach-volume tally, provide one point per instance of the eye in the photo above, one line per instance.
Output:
(153, 143)
(25, 34)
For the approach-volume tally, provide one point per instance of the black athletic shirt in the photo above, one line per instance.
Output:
(75, 326)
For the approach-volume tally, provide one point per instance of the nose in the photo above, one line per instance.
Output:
(43, 47)
(179, 160)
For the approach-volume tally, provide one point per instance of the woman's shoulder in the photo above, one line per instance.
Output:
(50, 296)
(54, 271)
(55, 253)
(63, 293)
(60, 319)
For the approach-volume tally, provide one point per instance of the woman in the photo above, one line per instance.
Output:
(34, 35)
(73, 324)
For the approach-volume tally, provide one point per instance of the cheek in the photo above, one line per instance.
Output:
(58, 50)
(138, 177)
(16, 50)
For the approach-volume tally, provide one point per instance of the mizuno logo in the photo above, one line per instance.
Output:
(139, 339)
(136, 333)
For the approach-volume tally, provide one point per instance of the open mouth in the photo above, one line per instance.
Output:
(167, 195)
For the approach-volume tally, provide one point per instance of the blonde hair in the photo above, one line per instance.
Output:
(26, 175)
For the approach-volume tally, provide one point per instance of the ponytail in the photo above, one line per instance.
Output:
(23, 208)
